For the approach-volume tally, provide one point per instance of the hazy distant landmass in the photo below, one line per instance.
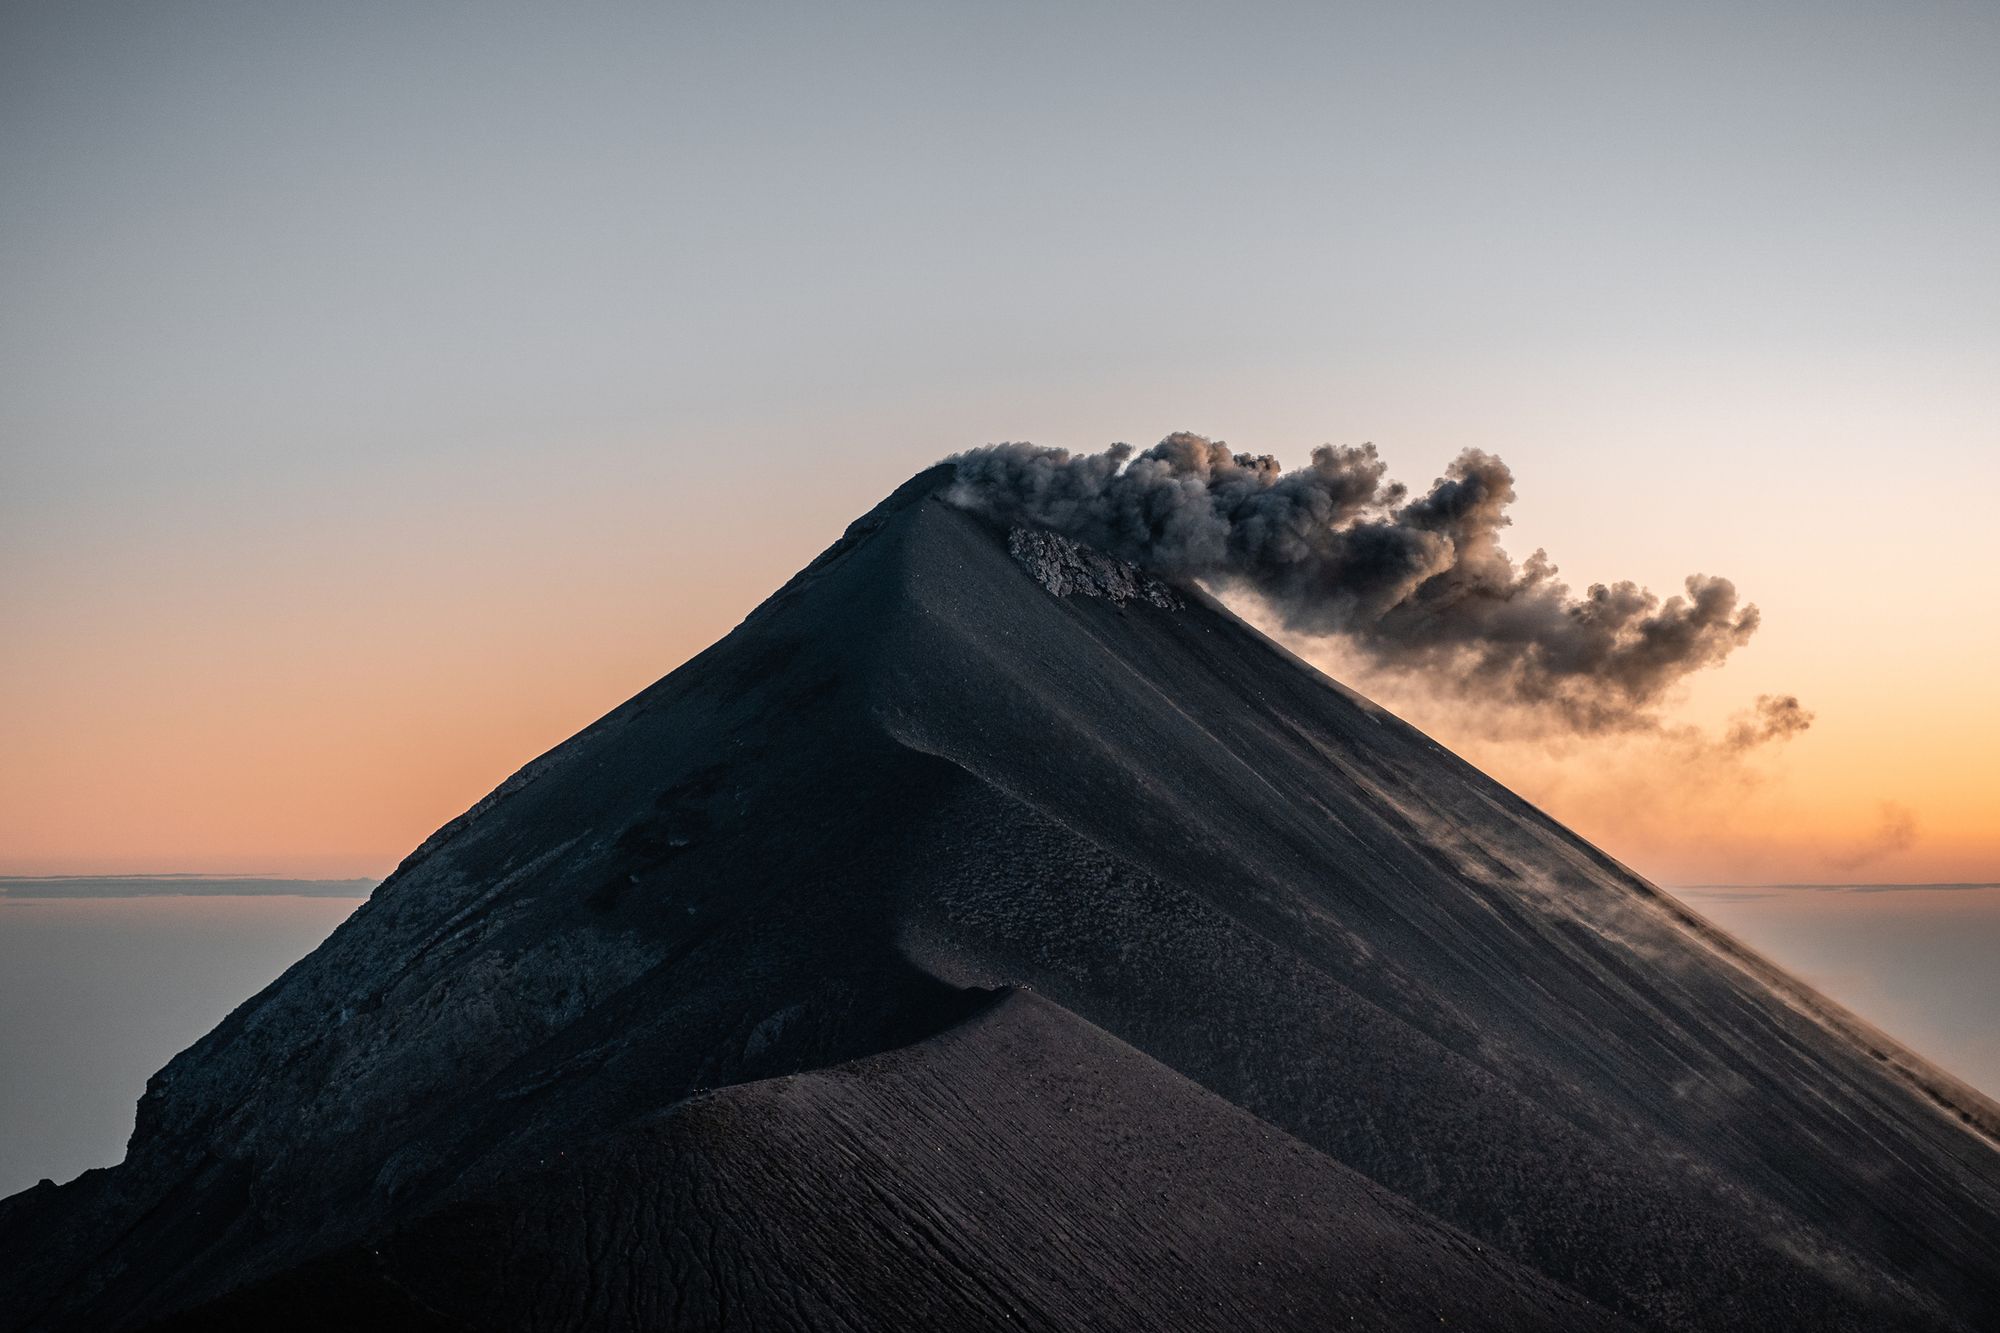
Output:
(158, 886)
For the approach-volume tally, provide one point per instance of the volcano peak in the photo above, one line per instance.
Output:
(988, 933)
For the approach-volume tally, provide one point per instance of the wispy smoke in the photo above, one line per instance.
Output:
(1895, 831)
(1413, 583)
(1775, 717)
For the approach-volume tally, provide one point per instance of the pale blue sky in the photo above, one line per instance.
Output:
(270, 245)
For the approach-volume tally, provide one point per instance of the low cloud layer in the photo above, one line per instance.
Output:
(1413, 582)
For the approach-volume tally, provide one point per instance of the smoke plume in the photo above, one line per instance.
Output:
(1775, 717)
(1414, 583)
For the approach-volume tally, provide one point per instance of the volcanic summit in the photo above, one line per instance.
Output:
(989, 934)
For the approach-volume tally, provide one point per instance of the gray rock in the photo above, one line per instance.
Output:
(1067, 567)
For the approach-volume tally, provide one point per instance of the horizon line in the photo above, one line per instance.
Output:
(1852, 886)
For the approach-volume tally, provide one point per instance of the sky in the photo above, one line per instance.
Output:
(393, 388)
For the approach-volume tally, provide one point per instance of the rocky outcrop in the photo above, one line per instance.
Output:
(1069, 568)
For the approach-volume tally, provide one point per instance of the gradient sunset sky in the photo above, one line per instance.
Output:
(391, 389)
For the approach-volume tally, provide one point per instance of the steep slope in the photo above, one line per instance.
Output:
(934, 765)
(961, 1181)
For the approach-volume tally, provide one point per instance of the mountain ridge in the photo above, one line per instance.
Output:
(917, 776)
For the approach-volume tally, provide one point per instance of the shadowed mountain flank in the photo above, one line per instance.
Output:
(714, 1016)
(960, 1180)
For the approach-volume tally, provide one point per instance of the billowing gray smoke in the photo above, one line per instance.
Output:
(1414, 583)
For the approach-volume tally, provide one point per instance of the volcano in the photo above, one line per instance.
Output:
(987, 934)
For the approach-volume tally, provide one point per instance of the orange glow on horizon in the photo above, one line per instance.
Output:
(260, 752)
(320, 710)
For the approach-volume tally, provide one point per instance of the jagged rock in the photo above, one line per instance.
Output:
(1064, 566)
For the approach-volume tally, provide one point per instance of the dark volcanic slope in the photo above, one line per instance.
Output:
(919, 773)
(960, 1182)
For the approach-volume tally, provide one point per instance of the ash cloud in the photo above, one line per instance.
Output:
(1774, 717)
(1413, 582)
